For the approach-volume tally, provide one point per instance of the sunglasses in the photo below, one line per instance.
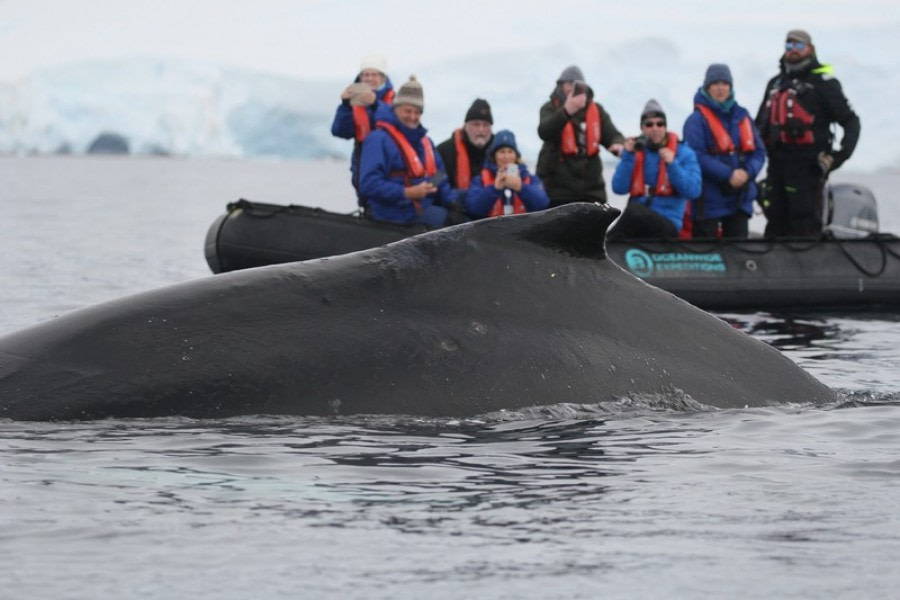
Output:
(654, 123)
(792, 45)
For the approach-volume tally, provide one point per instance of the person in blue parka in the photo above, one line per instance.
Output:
(355, 115)
(402, 176)
(659, 174)
(504, 186)
(731, 154)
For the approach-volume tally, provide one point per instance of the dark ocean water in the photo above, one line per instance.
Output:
(625, 500)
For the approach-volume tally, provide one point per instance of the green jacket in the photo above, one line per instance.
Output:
(575, 178)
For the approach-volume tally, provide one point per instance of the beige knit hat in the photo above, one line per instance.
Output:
(411, 93)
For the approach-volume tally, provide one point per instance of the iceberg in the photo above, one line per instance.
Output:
(199, 109)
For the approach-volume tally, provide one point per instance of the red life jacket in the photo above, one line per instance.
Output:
(569, 144)
(414, 167)
(724, 145)
(663, 187)
(518, 206)
(362, 125)
(786, 113)
(463, 168)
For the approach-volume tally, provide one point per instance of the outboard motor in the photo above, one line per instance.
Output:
(850, 210)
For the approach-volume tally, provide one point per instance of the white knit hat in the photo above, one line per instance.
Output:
(374, 61)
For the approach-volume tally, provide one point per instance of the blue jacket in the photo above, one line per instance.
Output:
(381, 174)
(684, 175)
(480, 200)
(719, 199)
(343, 126)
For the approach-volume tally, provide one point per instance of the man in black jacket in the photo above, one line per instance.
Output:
(798, 109)
(464, 153)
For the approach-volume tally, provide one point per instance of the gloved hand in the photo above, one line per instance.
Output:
(825, 162)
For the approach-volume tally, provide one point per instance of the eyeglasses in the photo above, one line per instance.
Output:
(654, 123)
(793, 45)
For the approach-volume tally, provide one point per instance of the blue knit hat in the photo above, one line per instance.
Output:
(503, 139)
(717, 72)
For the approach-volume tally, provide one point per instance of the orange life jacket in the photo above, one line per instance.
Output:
(663, 187)
(518, 207)
(362, 125)
(569, 144)
(414, 167)
(463, 168)
(786, 113)
(724, 145)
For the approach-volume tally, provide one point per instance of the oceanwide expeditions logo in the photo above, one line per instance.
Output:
(659, 264)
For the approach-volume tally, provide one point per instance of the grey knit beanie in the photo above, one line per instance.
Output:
(652, 109)
(569, 74)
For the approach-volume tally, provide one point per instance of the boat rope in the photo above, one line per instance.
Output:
(884, 252)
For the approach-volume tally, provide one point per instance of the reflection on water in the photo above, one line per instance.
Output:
(853, 353)
(381, 506)
(786, 331)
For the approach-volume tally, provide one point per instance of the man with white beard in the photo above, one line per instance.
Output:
(464, 153)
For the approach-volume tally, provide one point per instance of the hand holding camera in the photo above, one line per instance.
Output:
(666, 155)
(512, 178)
(577, 99)
(419, 190)
(635, 144)
(359, 94)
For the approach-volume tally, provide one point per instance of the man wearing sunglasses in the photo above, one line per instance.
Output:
(659, 174)
(798, 109)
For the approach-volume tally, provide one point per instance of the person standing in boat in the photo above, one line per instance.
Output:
(731, 154)
(465, 151)
(355, 115)
(504, 186)
(799, 106)
(401, 174)
(659, 174)
(573, 127)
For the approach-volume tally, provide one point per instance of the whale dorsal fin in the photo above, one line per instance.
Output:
(577, 229)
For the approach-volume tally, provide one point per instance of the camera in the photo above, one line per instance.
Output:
(640, 143)
(578, 88)
(512, 169)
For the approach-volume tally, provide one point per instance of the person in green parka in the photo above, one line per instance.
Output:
(573, 127)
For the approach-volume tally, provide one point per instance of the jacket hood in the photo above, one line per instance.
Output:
(725, 108)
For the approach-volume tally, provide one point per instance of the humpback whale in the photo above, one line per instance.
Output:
(502, 313)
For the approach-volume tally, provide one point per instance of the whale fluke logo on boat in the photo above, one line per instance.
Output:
(673, 264)
(639, 262)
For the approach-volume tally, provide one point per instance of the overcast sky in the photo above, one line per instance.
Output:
(327, 38)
